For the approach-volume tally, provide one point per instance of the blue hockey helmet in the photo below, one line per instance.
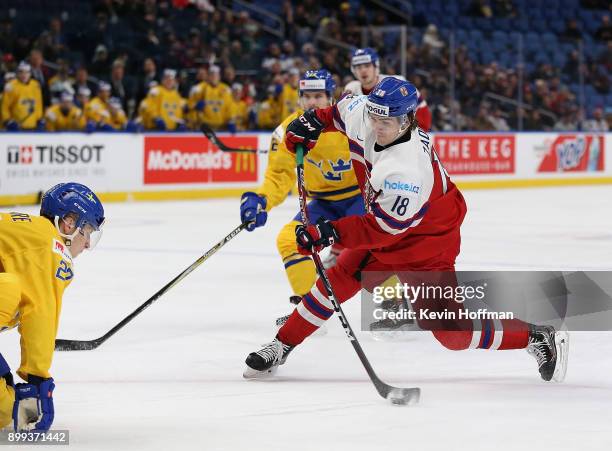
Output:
(392, 97)
(73, 198)
(317, 80)
(365, 56)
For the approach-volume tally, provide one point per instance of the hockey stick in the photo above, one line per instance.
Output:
(213, 138)
(86, 345)
(399, 396)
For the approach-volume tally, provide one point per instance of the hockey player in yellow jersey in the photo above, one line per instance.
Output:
(239, 113)
(197, 93)
(64, 115)
(97, 110)
(217, 102)
(289, 94)
(167, 105)
(117, 119)
(36, 266)
(22, 106)
(268, 115)
(146, 109)
(330, 182)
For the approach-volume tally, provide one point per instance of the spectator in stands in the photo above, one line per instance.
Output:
(572, 67)
(61, 81)
(39, 72)
(64, 115)
(598, 77)
(482, 122)
(22, 105)
(567, 121)
(504, 8)
(480, 8)
(498, 121)
(572, 32)
(100, 63)
(533, 121)
(605, 57)
(604, 32)
(597, 123)
(149, 74)
(81, 80)
(122, 87)
(57, 36)
(8, 37)
(432, 39)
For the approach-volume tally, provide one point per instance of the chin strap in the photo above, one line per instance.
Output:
(68, 238)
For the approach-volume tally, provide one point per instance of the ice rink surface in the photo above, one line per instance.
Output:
(172, 379)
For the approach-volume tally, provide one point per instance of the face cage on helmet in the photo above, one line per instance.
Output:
(89, 231)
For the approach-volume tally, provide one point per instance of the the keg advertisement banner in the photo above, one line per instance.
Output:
(485, 300)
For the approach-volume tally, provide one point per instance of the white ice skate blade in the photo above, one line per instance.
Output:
(250, 373)
(562, 345)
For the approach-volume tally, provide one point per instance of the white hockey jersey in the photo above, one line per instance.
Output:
(414, 209)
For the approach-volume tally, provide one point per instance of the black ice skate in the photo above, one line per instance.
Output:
(267, 359)
(550, 348)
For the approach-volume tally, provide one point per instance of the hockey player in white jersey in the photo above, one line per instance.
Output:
(365, 65)
(412, 225)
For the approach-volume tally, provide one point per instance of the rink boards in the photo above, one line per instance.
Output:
(164, 166)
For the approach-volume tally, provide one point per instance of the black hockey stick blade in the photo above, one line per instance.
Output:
(76, 345)
(87, 345)
(213, 138)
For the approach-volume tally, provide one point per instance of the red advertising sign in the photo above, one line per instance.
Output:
(476, 154)
(572, 153)
(194, 159)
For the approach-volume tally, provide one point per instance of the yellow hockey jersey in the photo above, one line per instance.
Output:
(167, 104)
(239, 113)
(97, 110)
(196, 94)
(58, 121)
(145, 113)
(22, 103)
(289, 99)
(217, 110)
(269, 113)
(32, 249)
(328, 172)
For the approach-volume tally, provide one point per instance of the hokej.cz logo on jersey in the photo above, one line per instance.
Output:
(379, 110)
(401, 186)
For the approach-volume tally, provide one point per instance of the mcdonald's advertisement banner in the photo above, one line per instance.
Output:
(194, 159)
